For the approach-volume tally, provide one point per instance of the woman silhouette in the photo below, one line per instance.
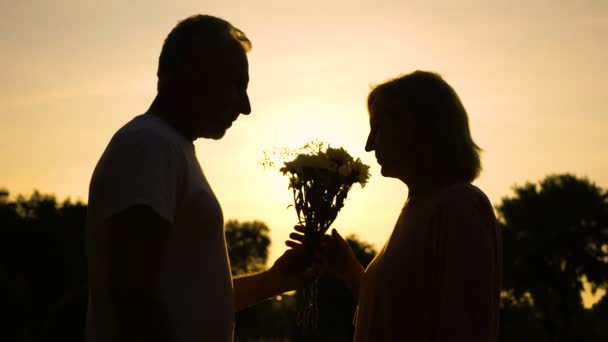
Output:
(437, 278)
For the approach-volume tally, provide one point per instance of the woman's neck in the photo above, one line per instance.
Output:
(427, 186)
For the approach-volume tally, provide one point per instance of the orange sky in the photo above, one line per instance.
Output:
(530, 73)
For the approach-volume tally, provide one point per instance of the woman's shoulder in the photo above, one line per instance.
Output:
(460, 192)
(463, 197)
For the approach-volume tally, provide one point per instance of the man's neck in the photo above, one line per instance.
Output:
(171, 114)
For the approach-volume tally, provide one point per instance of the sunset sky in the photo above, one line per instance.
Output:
(532, 75)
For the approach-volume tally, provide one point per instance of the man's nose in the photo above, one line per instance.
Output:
(245, 105)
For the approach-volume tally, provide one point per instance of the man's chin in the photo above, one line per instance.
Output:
(216, 134)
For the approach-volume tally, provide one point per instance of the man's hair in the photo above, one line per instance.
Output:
(198, 40)
(438, 123)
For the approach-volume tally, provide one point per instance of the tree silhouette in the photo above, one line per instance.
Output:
(364, 251)
(555, 235)
(248, 244)
(42, 266)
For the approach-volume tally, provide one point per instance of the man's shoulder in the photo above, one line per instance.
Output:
(147, 131)
(140, 142)
(143, 164)
(141, 127)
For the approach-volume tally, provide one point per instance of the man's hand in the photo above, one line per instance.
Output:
(334, 258)
(290, 271)
(293, 269)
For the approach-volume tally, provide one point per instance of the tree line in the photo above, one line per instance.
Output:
(555, 241)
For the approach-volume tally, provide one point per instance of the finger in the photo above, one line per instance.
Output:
(297, 249)
(297, 237)
(293, 244)
(299, 228)
(292, 252)
(336, 235)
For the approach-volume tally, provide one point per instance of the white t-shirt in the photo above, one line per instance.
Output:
(148, 163)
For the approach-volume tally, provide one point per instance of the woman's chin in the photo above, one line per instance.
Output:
(389, 173)
(384, 171)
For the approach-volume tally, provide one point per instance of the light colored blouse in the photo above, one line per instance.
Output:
(438, 276)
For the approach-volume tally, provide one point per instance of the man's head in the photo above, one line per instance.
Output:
(203, 72)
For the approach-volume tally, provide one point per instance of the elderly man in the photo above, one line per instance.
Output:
(158, 266)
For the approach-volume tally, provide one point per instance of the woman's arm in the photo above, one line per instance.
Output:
(469, 271)
(341, 262)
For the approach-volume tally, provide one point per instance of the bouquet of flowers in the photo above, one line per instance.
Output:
(320, 177)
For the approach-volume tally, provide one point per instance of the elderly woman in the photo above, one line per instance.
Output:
(437, 278)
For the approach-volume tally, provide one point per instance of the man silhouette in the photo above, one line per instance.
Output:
(157, 262)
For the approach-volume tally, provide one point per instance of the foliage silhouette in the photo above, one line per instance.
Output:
(555, 235)
(247, 244)
(42, 266)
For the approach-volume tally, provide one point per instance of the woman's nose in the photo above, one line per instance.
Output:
(369, 144)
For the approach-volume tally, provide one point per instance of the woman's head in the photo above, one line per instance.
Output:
(420, 131)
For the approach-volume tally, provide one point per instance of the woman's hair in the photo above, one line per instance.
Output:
(438, 123)
(199, 40)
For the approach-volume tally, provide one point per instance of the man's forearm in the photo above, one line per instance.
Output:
(253, 288)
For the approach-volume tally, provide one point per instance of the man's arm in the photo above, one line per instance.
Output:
(289, 272)
(253, 288)
(137, 238)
